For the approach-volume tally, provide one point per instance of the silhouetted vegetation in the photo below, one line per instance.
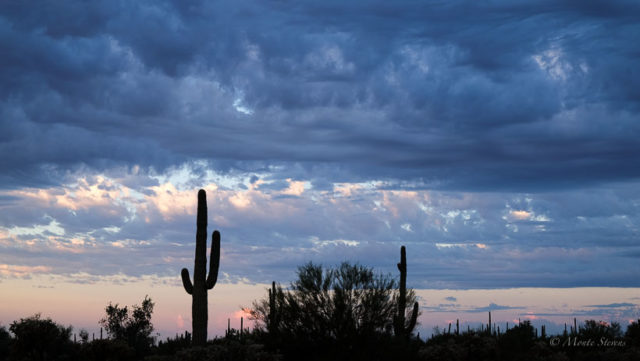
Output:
(519, 339)
(224, 349)
(40, 339)
(108, 350)
(346, 313)
(5, 338)
(35, 338)
(403, 326)
(198, 290)
(131, 326)
(172, 345)
(597, 330)
(594, 340)
(632, 335)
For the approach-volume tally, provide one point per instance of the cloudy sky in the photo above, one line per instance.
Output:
(497, 140)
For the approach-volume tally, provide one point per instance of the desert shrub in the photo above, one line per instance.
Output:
(518, 340)
(172, 345)
(632, 335)
(40, 339)
(227, 350)
(337, 313)
(469, 346)
(595, 330)
(132, 326)
(107, 350)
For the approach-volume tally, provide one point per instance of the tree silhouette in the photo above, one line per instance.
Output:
(132, 326)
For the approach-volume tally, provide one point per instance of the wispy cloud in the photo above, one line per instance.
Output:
(614, 305)
(494, 307)
(86, 224)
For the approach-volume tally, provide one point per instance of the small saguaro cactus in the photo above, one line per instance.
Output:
(400, 326)
(198, 290)
(274, 314)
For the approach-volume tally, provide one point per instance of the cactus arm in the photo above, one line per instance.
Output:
(214, 260)
(186, 281)
(414, 318)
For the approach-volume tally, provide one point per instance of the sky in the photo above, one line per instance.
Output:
(496, 140)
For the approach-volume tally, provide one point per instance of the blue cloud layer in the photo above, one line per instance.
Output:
(447, 95)
(514, 124)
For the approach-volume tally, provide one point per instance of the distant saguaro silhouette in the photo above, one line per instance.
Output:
(274, 313)
(400, 327)
(198, 290)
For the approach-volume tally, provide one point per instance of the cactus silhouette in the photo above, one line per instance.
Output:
(400, 327)
(198, 290)
(276, 300)
(273, 314)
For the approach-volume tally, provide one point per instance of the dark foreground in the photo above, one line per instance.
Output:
(42, 339)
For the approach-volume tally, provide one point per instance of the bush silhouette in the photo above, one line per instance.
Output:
(133, 327)
(519, 339)
(107, 350)
(172, 345)
(345, 312)
(632, 335)
(40, 339)
(595, 330)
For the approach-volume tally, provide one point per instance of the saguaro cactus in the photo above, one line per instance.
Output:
(273, 313)
(198, 290)
(400, 326)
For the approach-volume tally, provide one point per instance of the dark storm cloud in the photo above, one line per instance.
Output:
(457, 95)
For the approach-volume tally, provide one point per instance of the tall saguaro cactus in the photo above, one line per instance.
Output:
(198, 290)
(400, 326)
